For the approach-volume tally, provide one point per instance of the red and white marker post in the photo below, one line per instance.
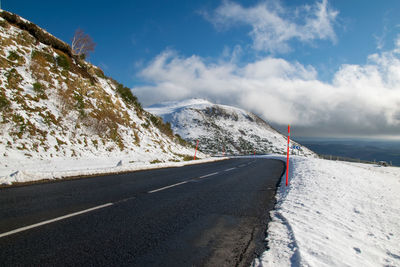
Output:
(197, 144)
(287, 159)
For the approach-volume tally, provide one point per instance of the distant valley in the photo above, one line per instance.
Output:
(363, 149)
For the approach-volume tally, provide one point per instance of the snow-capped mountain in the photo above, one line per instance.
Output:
(223, 129)
(55, 105)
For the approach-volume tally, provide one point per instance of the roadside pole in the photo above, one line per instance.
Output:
(197, 144)
(287, 159)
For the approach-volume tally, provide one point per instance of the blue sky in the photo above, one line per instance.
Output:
(265, 56)
(129, 34)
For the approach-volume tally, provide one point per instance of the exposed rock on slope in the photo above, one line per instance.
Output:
(221, 128)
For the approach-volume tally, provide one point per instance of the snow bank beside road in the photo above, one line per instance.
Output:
(34, 170)
(335, 214)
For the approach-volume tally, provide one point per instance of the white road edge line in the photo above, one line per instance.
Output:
(54, 220)
(166, 187)
(227, 170)
(243, 165)
(208, 175)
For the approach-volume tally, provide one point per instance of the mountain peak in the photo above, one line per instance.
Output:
(222, 128)
(169, 106)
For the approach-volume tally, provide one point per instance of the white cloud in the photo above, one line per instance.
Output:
(273, 26)
(362, 98)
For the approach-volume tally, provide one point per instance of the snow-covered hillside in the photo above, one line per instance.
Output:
(56, 106)
(335, 214)
(221, 128)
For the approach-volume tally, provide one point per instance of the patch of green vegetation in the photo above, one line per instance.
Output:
(95, 143)
(60, 142)
(63, 62)
(25, 39)
(180, 140)
(4, 102)
(245, 146)
(187, 158)
(49, 119)
(39, 89)
(165, 128)
(114, 136)
(20, 124)
(13, 78)
(37, 86)
(35, 147)
(13, 56)
(155, 161)
(127, 95)
(99, 73)
(38, 54)
(80, 104)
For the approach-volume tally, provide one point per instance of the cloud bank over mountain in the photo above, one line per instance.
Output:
(361, 99)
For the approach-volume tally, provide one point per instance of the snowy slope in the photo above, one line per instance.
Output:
(335, 214)
(222, 128)
(56, 107)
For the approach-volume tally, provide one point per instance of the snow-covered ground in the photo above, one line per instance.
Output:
(335, 214)
(34, 170)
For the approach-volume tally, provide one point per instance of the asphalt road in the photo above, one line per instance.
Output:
(211, 214)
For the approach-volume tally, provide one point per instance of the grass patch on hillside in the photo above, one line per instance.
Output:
(49, 118)
(4, 24)
(40, 90)
(63, 62)
(38, 67)
(23, 126)
(13, 79)
(188, 158)
(79, 104)
(25, 39)
(4, 102)
(95, 71)
(42, 56)
(13, 56)
(128, 97)
(165, 128)
(180, 140)
(137, 139)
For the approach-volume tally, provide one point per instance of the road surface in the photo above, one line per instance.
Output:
(212, 214)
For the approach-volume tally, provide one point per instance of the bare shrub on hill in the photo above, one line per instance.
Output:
(82, 44)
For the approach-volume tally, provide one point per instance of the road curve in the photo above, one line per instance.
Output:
(212, 214)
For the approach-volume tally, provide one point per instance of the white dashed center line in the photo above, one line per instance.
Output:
(208, 175)
(166, 187)
(227, 170)
(54, 220)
